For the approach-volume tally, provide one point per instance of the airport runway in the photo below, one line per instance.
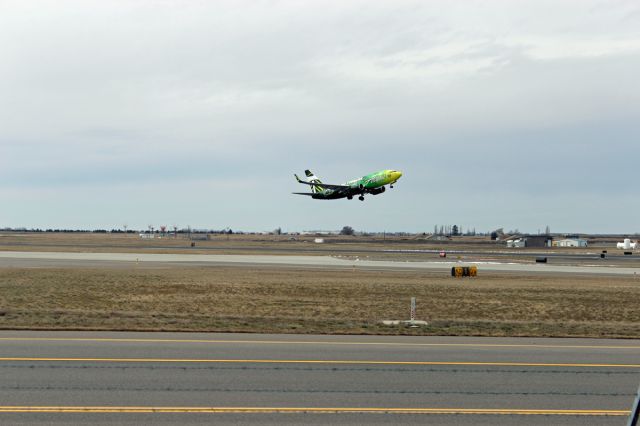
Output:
(343, 249)
(61, 259)
(164, 378)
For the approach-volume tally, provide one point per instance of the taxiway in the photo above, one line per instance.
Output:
(72, 259)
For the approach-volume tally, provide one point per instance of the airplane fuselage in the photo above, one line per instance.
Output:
(373, 183)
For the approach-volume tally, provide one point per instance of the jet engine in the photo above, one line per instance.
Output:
(378, 190)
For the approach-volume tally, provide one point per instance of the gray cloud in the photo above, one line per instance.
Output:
(117, 112)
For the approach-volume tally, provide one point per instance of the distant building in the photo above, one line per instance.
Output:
(518, 242)
(538, 240)
(627, 244)
(530, 241)
(571, 242)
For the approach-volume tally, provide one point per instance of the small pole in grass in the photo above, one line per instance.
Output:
(412, 322)
(413, 312)
(413, 309)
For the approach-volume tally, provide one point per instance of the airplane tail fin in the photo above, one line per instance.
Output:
(314, 179)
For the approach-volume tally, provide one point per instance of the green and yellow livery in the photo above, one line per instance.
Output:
(373, 183)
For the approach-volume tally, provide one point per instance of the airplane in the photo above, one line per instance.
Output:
(373, 183)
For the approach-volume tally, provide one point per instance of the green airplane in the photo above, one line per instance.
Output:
(370, 184)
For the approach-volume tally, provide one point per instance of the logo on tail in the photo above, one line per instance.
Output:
(314, 179)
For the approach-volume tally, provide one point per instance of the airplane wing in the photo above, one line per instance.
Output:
(323, 185)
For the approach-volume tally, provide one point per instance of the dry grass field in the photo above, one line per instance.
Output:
(306, 301)
(309, 301)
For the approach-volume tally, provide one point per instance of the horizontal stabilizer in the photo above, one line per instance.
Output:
(304, 193)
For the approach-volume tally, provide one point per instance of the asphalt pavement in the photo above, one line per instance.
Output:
(72, 259)
(193, 378)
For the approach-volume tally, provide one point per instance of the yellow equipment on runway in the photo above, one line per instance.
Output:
(464, 271)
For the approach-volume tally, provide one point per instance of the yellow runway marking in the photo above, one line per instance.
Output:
(308, 361)
(359, 410)
(328, 343)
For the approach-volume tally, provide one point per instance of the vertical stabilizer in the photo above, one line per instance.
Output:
(314, 179)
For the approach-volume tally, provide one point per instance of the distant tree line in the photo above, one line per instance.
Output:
(119, 231)
(46, 230)
(347, 230)
(452, 230)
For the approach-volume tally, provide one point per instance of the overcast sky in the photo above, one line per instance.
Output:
(506, 114)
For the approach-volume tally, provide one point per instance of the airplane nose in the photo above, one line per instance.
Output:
(398, 175)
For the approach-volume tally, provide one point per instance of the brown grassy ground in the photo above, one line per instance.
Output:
(308, 301)
(122, 242)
